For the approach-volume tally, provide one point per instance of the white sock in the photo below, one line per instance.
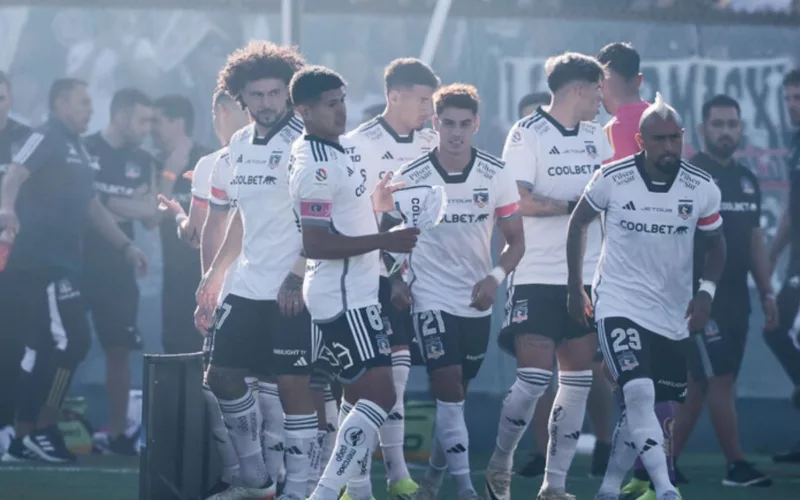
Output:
(451, 429)
(230, 460)
(344, 411)
(315, 461)
(300, 432)
(272, 438)
(640, 399)
(392, 434)
(437, 463)
(354, 443)
(566, 421)
(332, 418)
(518, 408)
(359, 485)
(244, 421)
(623, 455)
(252, 384)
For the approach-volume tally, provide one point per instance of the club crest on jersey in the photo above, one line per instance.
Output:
(434, 348)
(275, 159)
(627, 361)
(383, 344)
(747, 186)
(480, 197)
(321, 174)
(520, 311)
(591, 150)
(685, 209)
(132, 171)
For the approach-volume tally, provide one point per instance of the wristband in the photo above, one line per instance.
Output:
(179, 218)
(498, 273)
(709, 287)
(571, 206)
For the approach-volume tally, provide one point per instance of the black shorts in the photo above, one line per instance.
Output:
(112, 297)
(633, 352)
(541, 310)
(399, 327)
(354, 342)
(719, 350)
(447, 340)
(253, 335)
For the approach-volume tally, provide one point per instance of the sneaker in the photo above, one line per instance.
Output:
(427, 491)
(650, 494)
(17, 452)
(6, 436)
(792, 456)
(533, 468)
(670, 495)
(218, 487)
(403, 489)
(600, 457)
(48, 446)
(555, 495)
(239, 492)
(498, 484)
(743, 474)
(122, 445)
(634, 489)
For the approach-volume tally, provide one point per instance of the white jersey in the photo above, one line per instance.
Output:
(201, 175)
(258, 182)
(549, 160)
(452, 257)
(646, 266)
(328, 191)
(375, 148)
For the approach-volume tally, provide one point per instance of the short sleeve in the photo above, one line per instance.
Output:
(36, 152)
(709, 217)
(201, 179)
(220, 181)
(755, 215)
(598, 191)
(519, 153)
(604, 147)
(312, 187)
(507, 195)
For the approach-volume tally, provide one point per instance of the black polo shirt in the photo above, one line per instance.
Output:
(122, 173)
(53, 203)
(741, 213)
(11, 138)
(793, 167)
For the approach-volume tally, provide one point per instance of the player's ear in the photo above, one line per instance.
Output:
(639, 140)
(302, 110)
(435, 121)
(639, 80)
(477, 124)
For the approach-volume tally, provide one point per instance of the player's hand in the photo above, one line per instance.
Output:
(400, 241)
(578, 305)
(382, 198)
(137, 260)
(290, 295)
(483, 293)
(771, 315)
(203, 320)
(401, 294)
(9, 223)
(209, 289)
(699, 311)
(166, 205)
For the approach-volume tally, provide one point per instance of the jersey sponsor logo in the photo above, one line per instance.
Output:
(629, 206)
(572, 170)
(387, 156)
(657, 209)
(624, 177)
(486, 170)
(541, 127)
(688, 180)
(351, 152)
(420, 174)
(480, 197)
(373, 133)
(554, 151)
(321, 175)
(363, 186)
(250, 180)
(685, 209)
(747, 186)
(738, 206)
(132, 171)
(275, 159)
(516, 136)
(591, 149)
(113, 189)
(652, 228)
(464, 218)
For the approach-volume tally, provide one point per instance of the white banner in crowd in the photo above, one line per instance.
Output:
(12, 22)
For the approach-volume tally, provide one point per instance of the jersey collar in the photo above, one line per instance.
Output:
(263, 141)
(564, 131)
(652, 187)
(334, 145)
(447, 176)
(408, 139)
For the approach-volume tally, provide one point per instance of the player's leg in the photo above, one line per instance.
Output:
(236, 327)
(272, 433)
(599, 408)
(528, 310)
(360, 346)
(292, 360)
(12, 346)
(574, 354)
(321, 394)
(538, 428)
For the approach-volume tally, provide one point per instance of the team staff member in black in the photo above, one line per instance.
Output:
(12, 134)
(717, 352)
(784, 341)
(47, 203)
(125, 185)
(173, 125)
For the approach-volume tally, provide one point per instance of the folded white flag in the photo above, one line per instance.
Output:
(422, 207)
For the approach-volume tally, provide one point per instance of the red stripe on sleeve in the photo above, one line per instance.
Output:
(219, 193)
(507, 210)
(709, 221)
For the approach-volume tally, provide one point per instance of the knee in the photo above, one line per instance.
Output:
(639, 394)
(447, 384)
(293, 384)
(225, 383)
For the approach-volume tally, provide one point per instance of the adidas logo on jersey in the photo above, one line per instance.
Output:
(555, 151)
(387, 156)
(629, 206)
(301, 362)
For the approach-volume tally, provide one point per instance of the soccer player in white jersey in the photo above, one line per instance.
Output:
(337, 215)
(261, 326)
(451, 284)
(553, 154)
(376, 147)
(652, 204)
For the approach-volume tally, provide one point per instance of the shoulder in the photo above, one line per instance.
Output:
(697, 173)
(93, 142)
(427, 136)
(535, 124)
(488, 163)
(18, 131)
(244, 134)
(315, 150)
(417, 169)
(295, 125)
(366, 132)
(591, 128)
(208, 161)
(621, 171)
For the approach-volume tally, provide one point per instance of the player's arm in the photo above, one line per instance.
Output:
(710, 227)
(760, 265)
(213, 231)
(782, 237)
(229, 250)
(140, 206)
(36, 153)
(585, 212)
(388, 221)
(107, 227)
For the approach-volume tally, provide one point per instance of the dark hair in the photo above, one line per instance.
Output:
(61, 87)
(176, 106)
(221, 97)
(407, 72)
(4, 80)
(259, 60)
(456, 95)
(125, 99)
(621, 58)
(720, 101)
(531, 99)
(792, 77)
(374, 110)
(571, 67)
(309, 83)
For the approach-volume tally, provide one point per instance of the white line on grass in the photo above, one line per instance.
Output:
(58, 468)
